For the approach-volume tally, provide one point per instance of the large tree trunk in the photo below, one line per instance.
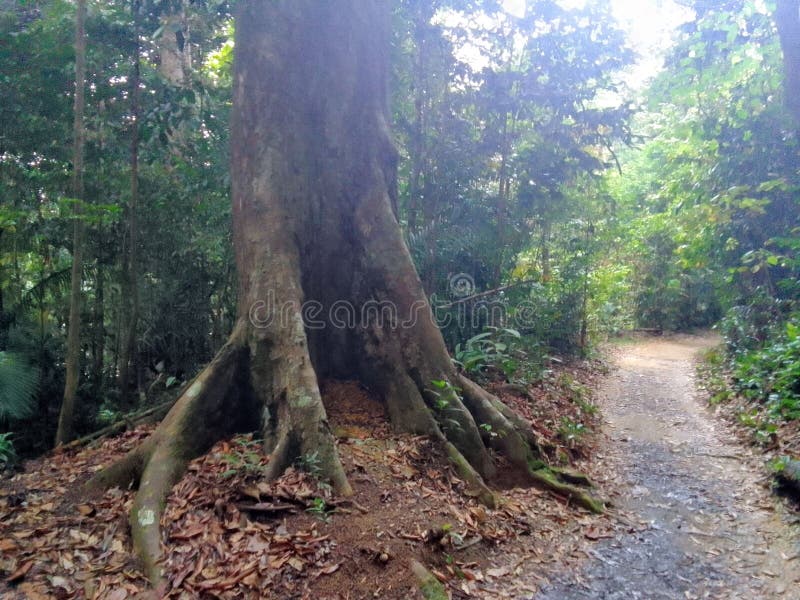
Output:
(65, 418)
(327, 287)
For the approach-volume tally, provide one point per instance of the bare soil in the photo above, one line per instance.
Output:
(702, 520)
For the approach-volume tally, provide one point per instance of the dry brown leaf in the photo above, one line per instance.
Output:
(34, 592)
(276, 562)
(251, 491)
(21, 535)
(7, 545)
(329, 569)
(188, 533)
(20, 573)
(258, 545)
(498, 572)
(297, 564)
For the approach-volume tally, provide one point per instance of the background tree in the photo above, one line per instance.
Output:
(185, 280)
(787, 19)
(64, 432)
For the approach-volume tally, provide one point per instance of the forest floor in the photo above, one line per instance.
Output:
(704, 523)
(227, 533)
(691, 516)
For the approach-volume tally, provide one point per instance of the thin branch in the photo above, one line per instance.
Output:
(487, 293)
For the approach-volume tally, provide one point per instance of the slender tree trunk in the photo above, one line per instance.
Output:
(584, 331)
(545, 248)
(787, 19)
(99, 337)
(2, 303)
(64, 432)
(312, 170)
(131, 272)
(503, 195)
(417, 149)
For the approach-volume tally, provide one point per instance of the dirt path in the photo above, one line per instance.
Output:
(702, 523)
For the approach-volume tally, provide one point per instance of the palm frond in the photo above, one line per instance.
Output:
(57, 281)
(18, 383)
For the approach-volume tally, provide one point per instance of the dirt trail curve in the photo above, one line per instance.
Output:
(702, 523)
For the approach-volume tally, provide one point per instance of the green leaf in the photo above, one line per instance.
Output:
(18, 384)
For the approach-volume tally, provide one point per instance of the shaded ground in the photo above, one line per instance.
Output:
(227, 533)
(702, 523)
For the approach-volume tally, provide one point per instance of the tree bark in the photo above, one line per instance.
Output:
(99, 330)
(327, 287)
(64, 431)
(787, 19)
(131, 270)
(173, 47)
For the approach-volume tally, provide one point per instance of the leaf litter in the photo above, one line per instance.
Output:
(227, 533)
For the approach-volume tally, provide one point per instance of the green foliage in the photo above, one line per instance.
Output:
(18, 383)
(245, 457)
(771, 374)
(320, 509)
(488, 429)
(714, 376)
(444, 394)
(106, 416)
(578, 393)
(499, 177)
(571, 432)
(8, 455)
(778, 464)
(491, 351)
(503, 175)
(445, 397)
(747, 327)
(708, 202)
(185, 262)
(310, 463)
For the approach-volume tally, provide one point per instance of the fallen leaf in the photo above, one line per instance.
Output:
(297, 564)
(329, 569)
(20, 573)
(257, 545)
(592, 534)
(7, 544)
(498, 572)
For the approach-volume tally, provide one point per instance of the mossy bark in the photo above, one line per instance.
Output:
(327, 287)
(430, 587)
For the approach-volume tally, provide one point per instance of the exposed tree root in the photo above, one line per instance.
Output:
(430, 587)
(548, 479)
(212, 407)
(222, 400)
(475, 483)
(129, 421)
(511, 436)
(219, 402)
(294, 423)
